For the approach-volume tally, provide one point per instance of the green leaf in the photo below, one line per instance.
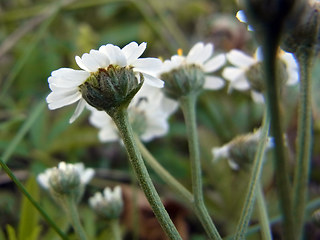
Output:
(29, 215)
(11, 233)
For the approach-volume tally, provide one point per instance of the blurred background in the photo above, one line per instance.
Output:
(39, 36)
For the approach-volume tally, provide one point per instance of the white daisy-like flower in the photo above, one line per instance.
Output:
(242, 63)
(109, 204)
(200, 55)
(65, 174)
(65, 82)
(148, 112)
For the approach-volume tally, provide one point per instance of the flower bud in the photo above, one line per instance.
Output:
(109, 205)
(183, 81)
(304, 33)
(241, 150)
(66, 180)
(112, 87)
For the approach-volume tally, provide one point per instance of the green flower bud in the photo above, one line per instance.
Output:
(304, 34)
(185, 80)
(111, 88)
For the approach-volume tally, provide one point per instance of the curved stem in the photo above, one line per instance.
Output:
(33, 202)
(263, 215)
(305, 58)
(72, 212)
(270, 48)
(187, 104)
(254, 180)
(120, 118)
(164, 174)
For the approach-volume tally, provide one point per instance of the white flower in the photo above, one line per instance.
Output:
(108, 204)
(243, 62)
(148, 112)
(239, 149)
(65, 82)
(201, 56)
(67, 172)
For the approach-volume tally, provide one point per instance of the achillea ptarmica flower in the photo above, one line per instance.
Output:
(66, 180)
(109, 77)
(240, 151)
(148, 113)
(109, 204)
(190, 74)
(247, 72)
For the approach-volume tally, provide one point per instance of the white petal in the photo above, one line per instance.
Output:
(108, 134)
(58, 93)
(115, 55)
(81, 64)
(215, 63)
(89, 61)
(240, 59)
(132, 51)
(55, 82)
(153, 81)
(67, 100)
(203, 55)
(150, 66)
(78, 111)
(175, 62)
(87, 175)
(232, 73)
(257, 97)
(70, 74)
(101, 59)
(241, 84)
(195, 52)
(213, 83)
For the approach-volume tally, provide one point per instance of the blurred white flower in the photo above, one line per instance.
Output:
(237, 75)
(108, 204)
(200, 55)
(148, 112)
(66, 179)
(240, 151)
(65, 82)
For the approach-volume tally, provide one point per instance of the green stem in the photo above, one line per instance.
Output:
(164, 174)
(120, 117)
(33, 202)
(305, 58)
(72, 212)
(254, 180)
(263, 215)
(270, 48)
(311, 206)
(188, 104)
(115, 229)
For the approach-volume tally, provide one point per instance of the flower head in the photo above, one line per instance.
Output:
(191, 73)
(148, 112)
(109, 204)
(107, 75)
(247, 72)
(240, 151)
(66, 179)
